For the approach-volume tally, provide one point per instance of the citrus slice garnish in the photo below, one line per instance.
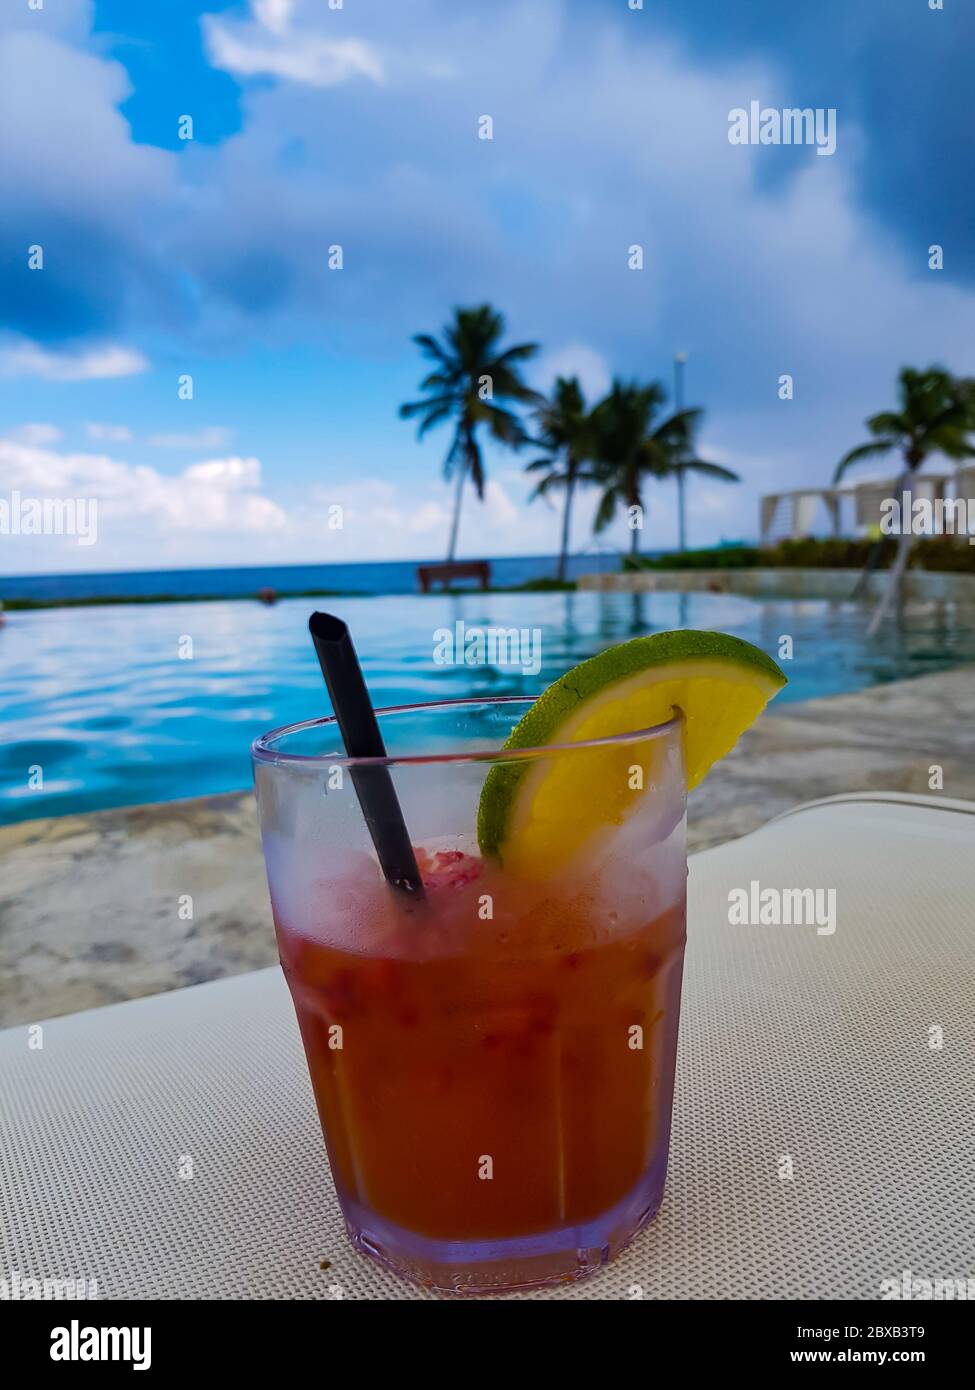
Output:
(535, 814)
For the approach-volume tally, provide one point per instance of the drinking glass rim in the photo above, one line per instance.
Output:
(262, 752)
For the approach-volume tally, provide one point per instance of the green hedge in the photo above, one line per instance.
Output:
(931, 553)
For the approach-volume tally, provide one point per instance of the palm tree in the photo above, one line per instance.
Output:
(622, 449)
(628, 448)
(471, 374)
(564, 433)
(935, 417)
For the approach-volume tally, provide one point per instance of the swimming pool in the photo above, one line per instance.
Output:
(116, 708)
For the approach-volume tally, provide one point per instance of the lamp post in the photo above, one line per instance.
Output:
(680, 362)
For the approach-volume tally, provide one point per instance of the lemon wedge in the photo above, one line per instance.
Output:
(720, 684)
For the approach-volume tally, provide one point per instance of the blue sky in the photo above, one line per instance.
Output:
(357, 125)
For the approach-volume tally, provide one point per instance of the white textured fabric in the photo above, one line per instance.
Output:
(804, 513)
(795, 1048)
(769, 507)
(869, 497)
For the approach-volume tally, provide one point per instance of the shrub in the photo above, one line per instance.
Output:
(929, 553)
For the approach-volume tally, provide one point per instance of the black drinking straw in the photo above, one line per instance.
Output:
(360, 733)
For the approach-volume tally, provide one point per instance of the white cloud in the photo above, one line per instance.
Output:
(270, 47)
(137, 501)
(216, 509)
(785, 289)
(87, 364)
(67, 148)
(500, 507)
(220, 493)
(275, 15)
(35, 434)
(375, 510)
(429, 517)
(210, 437)
(605, 138)
(109, 434)
(381, 519)
(575, 359)
(69, 19)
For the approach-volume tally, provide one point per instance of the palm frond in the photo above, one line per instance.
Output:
(888, 423)
(475, 464)
(862, 451)
(606, 509)
(432, 411)
(504, 425)
(442, 381)
(454, 453)
(679, 427)
(434, 416)
(953, 445)
(520, 353)
(546, 485)
(710, 470)
(429, 346)
(956, 416)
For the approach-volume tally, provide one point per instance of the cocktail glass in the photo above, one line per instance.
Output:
(493, 1062)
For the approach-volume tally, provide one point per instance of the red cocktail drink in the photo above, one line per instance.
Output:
(493, 1064)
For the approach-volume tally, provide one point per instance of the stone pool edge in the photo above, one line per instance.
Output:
(110, 905)
(836, 585)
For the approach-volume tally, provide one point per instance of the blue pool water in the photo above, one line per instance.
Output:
(101, 701)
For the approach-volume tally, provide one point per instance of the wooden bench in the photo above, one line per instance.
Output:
(428, 575)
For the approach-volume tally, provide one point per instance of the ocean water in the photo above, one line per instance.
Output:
(116, 707)
(380, 577)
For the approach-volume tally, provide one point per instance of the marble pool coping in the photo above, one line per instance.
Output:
(90, 905)
(836, 585)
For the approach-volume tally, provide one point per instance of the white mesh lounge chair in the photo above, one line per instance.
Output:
(822, 1136)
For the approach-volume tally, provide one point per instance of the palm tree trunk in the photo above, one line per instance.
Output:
(635, 502)
(566, 515)
(681, 529)
(894, 593)
(455, 524)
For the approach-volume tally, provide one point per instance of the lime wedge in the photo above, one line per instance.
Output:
(720, 684)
